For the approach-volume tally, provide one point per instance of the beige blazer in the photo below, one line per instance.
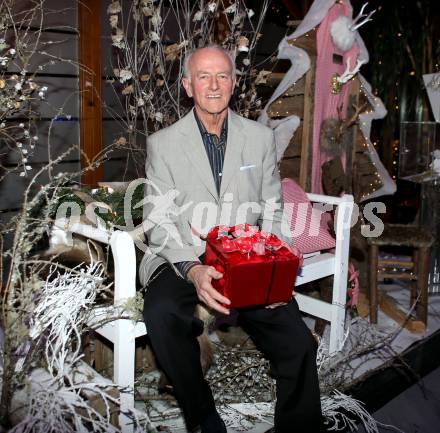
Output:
(180, 191)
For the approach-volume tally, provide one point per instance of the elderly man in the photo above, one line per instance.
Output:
(217, 167)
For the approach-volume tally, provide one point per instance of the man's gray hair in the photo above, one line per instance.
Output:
(189, 54)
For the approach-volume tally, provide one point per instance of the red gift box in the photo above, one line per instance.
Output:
(257, 269)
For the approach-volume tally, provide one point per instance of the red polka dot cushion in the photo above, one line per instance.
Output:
(305, 221)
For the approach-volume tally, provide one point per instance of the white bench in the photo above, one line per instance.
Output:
(122, 332)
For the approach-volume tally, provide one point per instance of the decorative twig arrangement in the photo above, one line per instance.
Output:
(151, 39)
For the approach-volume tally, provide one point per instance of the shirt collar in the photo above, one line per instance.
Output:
(204, 131)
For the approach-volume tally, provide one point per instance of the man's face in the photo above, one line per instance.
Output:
(211, 83)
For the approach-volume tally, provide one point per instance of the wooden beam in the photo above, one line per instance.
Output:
(390, 307)
(307, 131)
(89, 23)
(349, 141)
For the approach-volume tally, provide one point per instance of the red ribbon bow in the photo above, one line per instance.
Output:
(245, 238)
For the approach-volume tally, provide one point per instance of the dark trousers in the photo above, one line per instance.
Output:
(279, 333)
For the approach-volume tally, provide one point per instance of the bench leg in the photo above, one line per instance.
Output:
(123, 370)
(337, 328)
(373, 253)
(339, 300)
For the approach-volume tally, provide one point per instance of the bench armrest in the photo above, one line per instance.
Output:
(344, 209)
(123, 251)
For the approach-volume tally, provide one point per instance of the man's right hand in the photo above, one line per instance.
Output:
(201, 276)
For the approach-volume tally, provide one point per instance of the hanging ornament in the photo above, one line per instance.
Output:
(336, 85)
(338, 80)
(342, 36)
(343, 29)
(331, 137)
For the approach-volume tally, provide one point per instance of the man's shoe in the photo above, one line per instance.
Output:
(213, 424)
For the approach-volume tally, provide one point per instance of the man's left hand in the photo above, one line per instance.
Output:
(201, 276)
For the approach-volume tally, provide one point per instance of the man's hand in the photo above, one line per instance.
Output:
(201, 276)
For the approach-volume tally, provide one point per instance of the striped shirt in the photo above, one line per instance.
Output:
(215, 149)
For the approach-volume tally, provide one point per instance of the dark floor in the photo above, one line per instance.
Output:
(406, 397)
(416, 410)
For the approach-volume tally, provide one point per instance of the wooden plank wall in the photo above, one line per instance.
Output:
(58, 121)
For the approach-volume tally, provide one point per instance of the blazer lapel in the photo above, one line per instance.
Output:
(195, 151)
(236, 140)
